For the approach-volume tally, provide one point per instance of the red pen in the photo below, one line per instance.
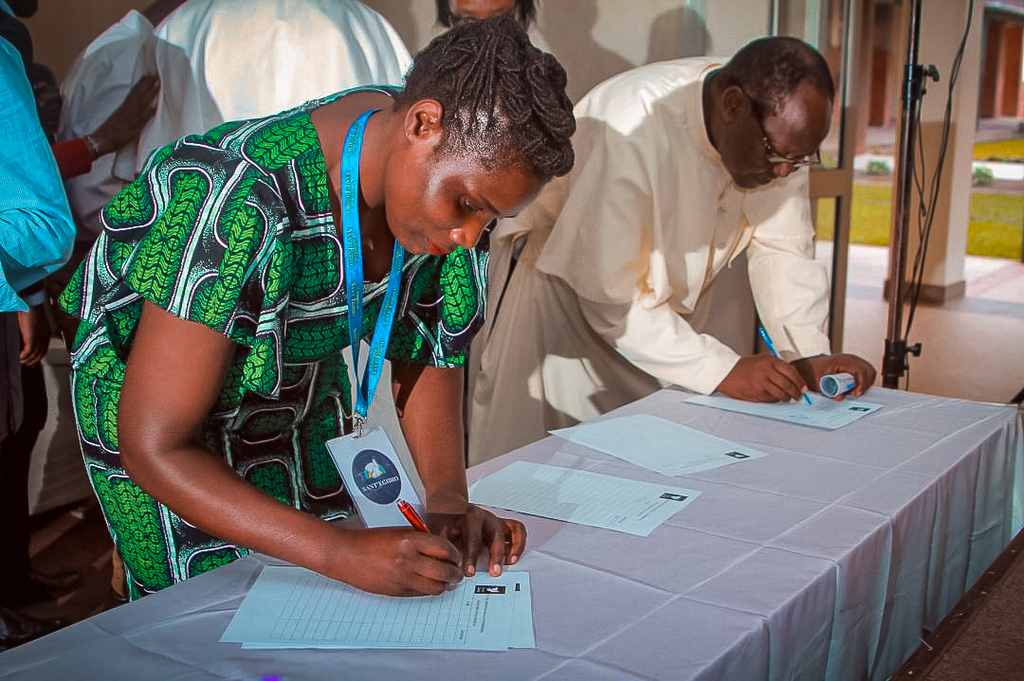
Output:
(412, 516)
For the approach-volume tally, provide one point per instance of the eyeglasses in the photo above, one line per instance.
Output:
(775, 158)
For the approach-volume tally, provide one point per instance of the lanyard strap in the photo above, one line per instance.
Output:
(353, 263)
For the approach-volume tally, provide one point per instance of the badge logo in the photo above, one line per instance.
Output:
(376, 476)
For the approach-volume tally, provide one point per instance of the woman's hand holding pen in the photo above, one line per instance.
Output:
(395, 561)
(400, 561)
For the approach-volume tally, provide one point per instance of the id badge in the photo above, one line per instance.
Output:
(374, 477)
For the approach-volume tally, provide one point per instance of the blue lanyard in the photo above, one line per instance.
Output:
(353, 263)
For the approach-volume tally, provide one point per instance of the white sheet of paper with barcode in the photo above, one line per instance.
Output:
(658, 444)
(821, 413)
(291, 607)
(581, 497)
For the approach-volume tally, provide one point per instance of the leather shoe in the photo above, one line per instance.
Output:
(17, 628)
(37, 587)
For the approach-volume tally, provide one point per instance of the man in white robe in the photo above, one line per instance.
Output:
(223, 60)
(218, 60)
(678, 171)
(96, 84)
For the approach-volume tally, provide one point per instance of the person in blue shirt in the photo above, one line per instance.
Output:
(36, 235)
(36, 230)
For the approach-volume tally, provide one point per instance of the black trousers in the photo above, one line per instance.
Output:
(15, 457)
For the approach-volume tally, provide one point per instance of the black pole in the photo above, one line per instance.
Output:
(895, 358)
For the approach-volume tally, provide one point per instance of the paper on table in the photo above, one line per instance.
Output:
(581, 497)
(521, 633)
(824, 413)
(658, 444)
(291, 607)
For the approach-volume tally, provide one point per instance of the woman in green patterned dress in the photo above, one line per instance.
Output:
(207, 369)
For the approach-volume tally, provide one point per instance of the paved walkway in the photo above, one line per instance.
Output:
(971, 347)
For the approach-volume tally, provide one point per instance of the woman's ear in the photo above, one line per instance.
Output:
(423, 120)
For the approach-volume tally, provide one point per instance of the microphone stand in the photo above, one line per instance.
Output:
(894, 361)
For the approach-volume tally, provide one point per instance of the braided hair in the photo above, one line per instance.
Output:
(769, 70)
(504, 100)
(526, 13)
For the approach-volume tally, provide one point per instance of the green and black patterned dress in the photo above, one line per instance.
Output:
(233, 229)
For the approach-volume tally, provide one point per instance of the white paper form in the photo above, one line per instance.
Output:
(658, 444)
(823, 413)
(291, 607)
(581, 497)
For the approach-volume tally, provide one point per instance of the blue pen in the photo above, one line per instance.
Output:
(771, 348)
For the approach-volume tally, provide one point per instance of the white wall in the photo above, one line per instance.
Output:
(595, 39)
(61, 29)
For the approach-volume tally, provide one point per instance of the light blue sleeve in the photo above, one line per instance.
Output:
(36, 229)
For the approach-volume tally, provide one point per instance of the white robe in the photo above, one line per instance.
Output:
(223, 60)
(607, 302)
(98, 81)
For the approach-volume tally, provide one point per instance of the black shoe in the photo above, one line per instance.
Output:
(16, 628)
(37, 587)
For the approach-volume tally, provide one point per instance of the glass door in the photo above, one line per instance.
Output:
(830, 25)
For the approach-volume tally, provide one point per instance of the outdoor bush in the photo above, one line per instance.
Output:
(878, 168)
(982, 177)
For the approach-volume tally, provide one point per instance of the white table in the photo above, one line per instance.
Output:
(826, 559)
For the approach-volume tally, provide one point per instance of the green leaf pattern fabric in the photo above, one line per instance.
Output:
(233, 229)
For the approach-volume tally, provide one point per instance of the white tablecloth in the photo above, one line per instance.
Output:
(830, 558)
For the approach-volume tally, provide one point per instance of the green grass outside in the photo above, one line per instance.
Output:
(996, 220)
(994, 230)
(1007, 151)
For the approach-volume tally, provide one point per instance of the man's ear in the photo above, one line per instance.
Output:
(423, 121)
(734, 103)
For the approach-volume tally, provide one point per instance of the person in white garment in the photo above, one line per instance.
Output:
(597, 292)
(97, 83)
(225, 60)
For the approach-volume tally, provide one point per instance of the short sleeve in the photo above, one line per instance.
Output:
(443, 310)
(200, 235)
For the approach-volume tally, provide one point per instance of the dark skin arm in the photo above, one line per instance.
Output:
(174, 373)
(429, 403)
(35, 335)
(813, 368)
(127, 121)
(763, 378)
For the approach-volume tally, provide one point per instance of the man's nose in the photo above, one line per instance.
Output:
(783, 169)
